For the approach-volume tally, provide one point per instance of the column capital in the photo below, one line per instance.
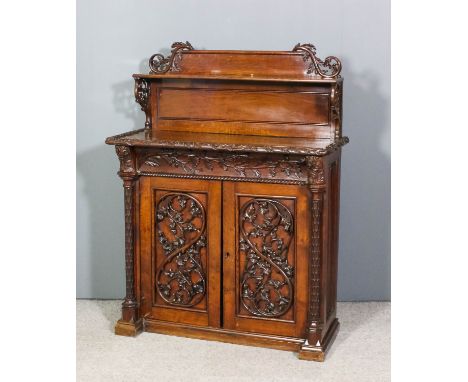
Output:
(316, 173)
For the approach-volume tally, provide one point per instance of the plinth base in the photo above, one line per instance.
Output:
(317, 352)
(129, 329)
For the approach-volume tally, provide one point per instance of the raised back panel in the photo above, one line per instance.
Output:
(269, 93)
(239, 108)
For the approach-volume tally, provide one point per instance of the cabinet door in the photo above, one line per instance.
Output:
(265, 244)
(180, 236)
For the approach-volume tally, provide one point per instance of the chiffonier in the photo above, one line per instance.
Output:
(231, 192)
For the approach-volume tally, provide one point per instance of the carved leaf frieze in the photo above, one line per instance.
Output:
(241, 164)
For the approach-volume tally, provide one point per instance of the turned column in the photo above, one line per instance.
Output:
(130, 324)
(312, 348)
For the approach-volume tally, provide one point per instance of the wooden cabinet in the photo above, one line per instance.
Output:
(232, 198)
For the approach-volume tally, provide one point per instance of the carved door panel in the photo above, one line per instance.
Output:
(265, 247)
(180, 234)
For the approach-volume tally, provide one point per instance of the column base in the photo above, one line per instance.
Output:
(129, 329)
(317, 352)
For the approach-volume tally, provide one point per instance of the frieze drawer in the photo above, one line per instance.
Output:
(268, 168)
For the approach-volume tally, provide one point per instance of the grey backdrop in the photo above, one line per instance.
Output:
(115, 39)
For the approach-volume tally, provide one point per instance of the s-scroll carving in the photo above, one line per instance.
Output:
(328, 68)
(266, 231)
(160, 64)
(180, 226)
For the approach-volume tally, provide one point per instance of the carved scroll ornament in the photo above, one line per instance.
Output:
(266, 230)
(328, 68)
(142, 91)
(142, 96)
(181, 222)
(160, 64)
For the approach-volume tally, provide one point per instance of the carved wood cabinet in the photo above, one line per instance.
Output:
(231, 195)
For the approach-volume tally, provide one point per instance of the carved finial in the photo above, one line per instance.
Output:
(160, 64)
(328, 68)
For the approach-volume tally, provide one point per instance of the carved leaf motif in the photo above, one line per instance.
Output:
(266, 286)
(180, 223)
(154, 161)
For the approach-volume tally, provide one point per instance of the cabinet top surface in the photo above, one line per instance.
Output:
(227, 142)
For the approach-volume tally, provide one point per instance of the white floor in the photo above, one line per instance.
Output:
(361, 352)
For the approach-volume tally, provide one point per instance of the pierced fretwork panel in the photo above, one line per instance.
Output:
(180, 276)
(266, 233)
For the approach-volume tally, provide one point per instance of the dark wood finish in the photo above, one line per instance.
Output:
(231, 195)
